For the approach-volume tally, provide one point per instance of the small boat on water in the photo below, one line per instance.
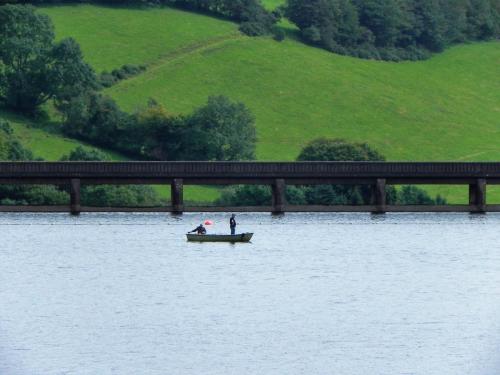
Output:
(232, 238)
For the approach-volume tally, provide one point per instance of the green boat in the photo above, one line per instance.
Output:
(244, 237)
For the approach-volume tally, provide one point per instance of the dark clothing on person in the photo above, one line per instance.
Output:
(232, 225)
(199, 230)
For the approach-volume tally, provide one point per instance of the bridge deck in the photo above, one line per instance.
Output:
(275, 174)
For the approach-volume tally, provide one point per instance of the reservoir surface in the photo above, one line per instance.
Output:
(323, 294)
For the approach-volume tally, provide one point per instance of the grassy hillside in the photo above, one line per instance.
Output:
(112, 37)
(42, 143)
(446, 108)
(442, 109)
(272, 4)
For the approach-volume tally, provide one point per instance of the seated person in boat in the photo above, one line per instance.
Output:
(199, 230)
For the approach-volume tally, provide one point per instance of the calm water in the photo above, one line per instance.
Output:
(313, 294)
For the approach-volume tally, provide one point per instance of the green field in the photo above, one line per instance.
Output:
(272, 4)
(43, 144)
(112, 36)
(445, 108)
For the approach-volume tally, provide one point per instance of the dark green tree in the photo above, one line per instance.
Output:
(95, 118)
(338, 150)
(33, 69)
(324, 149)
(455, 15)
(333, 24)
(482, 20)
(383, 18)
(70, 75)
(220, 130)
(25, 44)
(429, 24)
(85, 154)
(162, 135)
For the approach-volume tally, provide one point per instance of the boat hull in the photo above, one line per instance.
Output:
(244, 237)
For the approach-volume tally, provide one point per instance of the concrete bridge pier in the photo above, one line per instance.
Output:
(380, 196)
(279, 196)
(177, 195)
(75, 200)
(477, 196)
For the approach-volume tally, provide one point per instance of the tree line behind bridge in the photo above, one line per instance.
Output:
(392, 30)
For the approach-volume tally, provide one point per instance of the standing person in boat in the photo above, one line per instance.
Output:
(199, 230)
(232, 224)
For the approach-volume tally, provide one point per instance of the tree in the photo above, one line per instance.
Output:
(25, 43)
(330, 23)
(70, 74)
(33, 69)
(482, 20)
(220, 130)
(324, 149)
(429, 25)
(338, 150)
(96, 118)
(85, 154)
(156, 134)
(455, 14)
(383, 19)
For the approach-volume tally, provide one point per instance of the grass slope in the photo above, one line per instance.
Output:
(273, 4)
(111, 36)
(445, 108)
(43, 144)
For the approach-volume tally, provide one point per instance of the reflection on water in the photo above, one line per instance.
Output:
(313, 294)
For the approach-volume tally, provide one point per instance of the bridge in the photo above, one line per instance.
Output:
(275, 174)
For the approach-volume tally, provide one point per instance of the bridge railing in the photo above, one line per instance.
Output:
(249, 169)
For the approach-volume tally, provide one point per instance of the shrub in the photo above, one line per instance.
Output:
(126, 71)
(279, 34)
